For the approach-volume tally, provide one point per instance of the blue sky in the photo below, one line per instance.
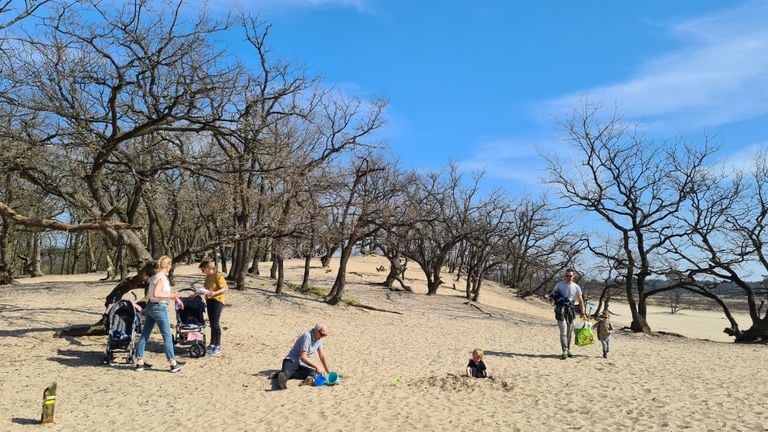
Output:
(479, 82)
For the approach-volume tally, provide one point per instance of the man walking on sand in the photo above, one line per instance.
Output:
(297, 364)
(564, 294)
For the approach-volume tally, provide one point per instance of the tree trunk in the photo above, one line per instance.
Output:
(337, 291)
(639, 324)
(90, 256)
(223, 255)
(758, 331)
(325, 260)
(476, 290)
(467, 286)
(305, 279)
(77, 254)
(140, 280)
(273, 268)
(36, 255)
(434, 281)
(254, 269)
(239, 263)
(395, 268)
(6, 251)
(68, 241)
(280, 270)
(605, 297)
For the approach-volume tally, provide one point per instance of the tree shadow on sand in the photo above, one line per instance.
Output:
(76, 358)
(22, 332)
(511, 354)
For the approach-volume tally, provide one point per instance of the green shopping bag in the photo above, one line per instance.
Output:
(584, 334)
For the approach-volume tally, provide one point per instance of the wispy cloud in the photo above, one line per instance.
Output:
(720, 75)
(515, 160)
(743, 159)
(360, 5)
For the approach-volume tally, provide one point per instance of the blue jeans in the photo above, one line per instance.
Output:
(606, 344)
(156, 313)
(566, 334)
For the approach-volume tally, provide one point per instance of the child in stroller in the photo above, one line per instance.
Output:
(190, 324)
(122, 321)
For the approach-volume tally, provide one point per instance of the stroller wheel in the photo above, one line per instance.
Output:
(129, 359)
(197, 350)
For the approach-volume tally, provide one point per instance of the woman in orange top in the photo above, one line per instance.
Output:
(217, 285)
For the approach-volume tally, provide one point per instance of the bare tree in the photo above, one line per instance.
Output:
(727, 221)
(634, 185)
(540, 247)
(92, 83)
(445, 207)
(485, 241)
(11, 13)
(367, 198)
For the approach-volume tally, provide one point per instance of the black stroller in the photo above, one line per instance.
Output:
(122, 321)
(190, 325)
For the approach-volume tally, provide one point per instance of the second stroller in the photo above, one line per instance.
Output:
(190, 325)
(122, 320)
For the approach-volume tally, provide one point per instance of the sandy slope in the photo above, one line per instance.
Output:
(399, 371)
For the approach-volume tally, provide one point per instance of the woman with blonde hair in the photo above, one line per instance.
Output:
(156, 312)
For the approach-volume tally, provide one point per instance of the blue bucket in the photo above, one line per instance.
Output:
(333, 378)
(319, 380)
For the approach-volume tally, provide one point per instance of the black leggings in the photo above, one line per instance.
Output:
(214, 315)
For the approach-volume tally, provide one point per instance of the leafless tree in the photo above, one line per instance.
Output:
(727, 220)
(367, 198)
(485, 242)
(11, 12)
(92, 83)
(444, 207)
(540, 247)
(634, 185)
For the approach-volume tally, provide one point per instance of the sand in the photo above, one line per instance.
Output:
(398, 371)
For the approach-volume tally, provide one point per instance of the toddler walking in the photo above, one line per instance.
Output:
(604, 329)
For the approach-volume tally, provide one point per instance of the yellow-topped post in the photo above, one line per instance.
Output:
(49, 403)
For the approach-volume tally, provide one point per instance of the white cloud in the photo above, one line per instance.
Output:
(719, 77)
(360, 5)
(743, 159)
(515, 160)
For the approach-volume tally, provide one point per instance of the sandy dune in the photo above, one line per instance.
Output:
(399, 371)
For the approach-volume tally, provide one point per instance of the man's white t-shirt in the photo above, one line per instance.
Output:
(569, 290)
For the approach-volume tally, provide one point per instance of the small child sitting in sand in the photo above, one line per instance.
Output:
(476, 367)
(604, 328)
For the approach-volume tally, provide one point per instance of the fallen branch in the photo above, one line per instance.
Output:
(82, 330)
(362, 306)
(478, 308)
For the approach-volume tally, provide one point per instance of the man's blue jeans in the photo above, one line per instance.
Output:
(156, 313)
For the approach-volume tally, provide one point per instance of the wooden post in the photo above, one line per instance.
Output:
(49, 403)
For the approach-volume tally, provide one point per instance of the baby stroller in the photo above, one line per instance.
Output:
(190, 325)
(123, 323)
